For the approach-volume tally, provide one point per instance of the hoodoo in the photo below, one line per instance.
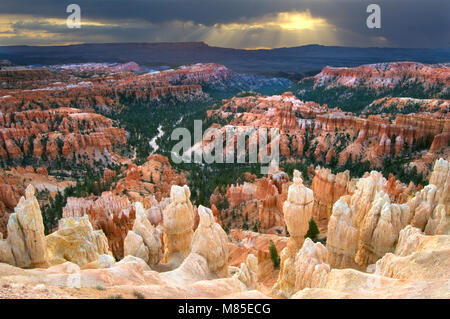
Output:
(297, 211)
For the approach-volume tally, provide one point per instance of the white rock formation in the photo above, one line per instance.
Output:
(211, 242)
(76, 241)
(311, 267)
(431, 206)
(342, 240)
(178, 223)
(380, 228)
(25, 246)
(248, 272)
(297, 211)
(364, 226)
(144, 241)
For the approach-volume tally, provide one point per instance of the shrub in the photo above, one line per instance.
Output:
(256, 227)
(138, 295)
(274, 255)
(313, 230)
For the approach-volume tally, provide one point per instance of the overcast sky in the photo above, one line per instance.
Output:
(228, 23)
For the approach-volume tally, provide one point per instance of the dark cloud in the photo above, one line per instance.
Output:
(405, 23)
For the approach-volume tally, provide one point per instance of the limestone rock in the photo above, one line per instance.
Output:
(431, 206)
(297, 213)
(103, 261)
(144, 240)
(298, 208)
(380, 229)
(6, 255)
(244, 243)
(178, 223)
(26, 237)
(423, 205)
(419, 268)
(421, 257)
(76, 241)
(342, 240)
(248, 272)
(211, 242)
(366, 225)
(327, 189)
(311, 268)
(134, 246)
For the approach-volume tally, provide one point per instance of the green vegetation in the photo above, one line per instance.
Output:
(142, 122)
(90, 184)
(348, 99)
(356, 99)
(256, 226)
(247, 93)
(274, 255)
(402, 172)
(313, 230)
(223, 204)
(138, 295)
(289, 168)
(394, 109)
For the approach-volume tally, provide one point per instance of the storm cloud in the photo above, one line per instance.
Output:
(229, 23)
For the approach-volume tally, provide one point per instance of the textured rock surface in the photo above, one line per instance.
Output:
(144, 241)
(210, 241)
(61, 132)
(113, 211)
(327, 189)
(416, 255)
(419, 268)
(112, 214)
(298, 209)
(248, 272)
(76, 241)
(13, 183)
(297, 213)
(342, 239)
(394, 73)
(379, 229)
(311, 268)
(335, 136)
(156, 169)
(25, 246)
(431, 206)
(245, 243)
(178, 223)
(255, 202)
(124, 278)
(403, 103)
(366, 225)
(105, 91)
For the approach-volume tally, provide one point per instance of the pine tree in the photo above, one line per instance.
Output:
(313, 230)
(256, 227)
(274, 255)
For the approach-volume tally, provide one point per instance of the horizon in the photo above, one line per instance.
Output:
(223, 47)
(237, 24)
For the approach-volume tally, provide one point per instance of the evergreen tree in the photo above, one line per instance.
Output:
(274, 255)
(313, 230)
